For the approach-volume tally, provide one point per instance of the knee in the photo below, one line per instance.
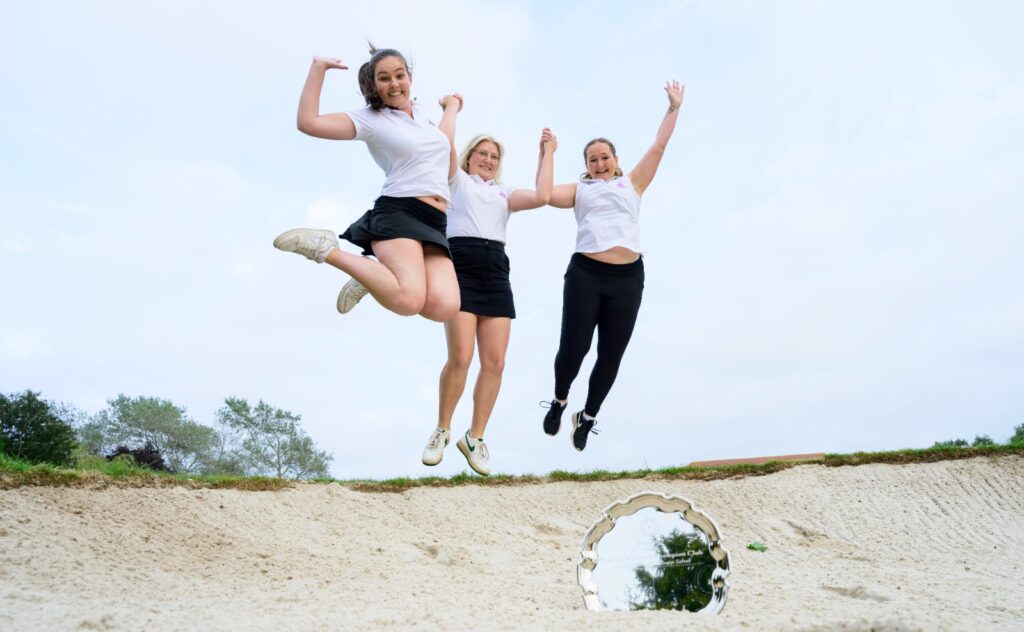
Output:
(441, 308)
(492, 363)
(460, 360)
(409, 303)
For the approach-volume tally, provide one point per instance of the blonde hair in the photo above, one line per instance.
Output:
(471, 147)
(586, 174)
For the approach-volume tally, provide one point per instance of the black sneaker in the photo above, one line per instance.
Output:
(581, 429)
(553, 418)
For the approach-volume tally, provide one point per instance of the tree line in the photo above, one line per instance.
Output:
(244, 440)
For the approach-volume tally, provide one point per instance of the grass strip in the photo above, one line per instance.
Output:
(15, 473)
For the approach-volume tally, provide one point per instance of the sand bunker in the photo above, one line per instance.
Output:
(883, 547)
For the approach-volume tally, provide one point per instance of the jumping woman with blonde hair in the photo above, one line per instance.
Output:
(479, 211)
(405, 229)
(605, 279)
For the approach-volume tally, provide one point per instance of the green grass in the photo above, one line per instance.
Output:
(99, 473)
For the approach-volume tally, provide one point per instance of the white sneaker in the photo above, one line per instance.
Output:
(350, 294)
(311, 243)
(475, 451)
(434, 451)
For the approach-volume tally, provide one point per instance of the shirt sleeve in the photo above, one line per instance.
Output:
(365, 120)
(507, 195)
(458, 180)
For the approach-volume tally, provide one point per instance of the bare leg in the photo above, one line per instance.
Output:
(460, 333)
(442, 299)
(492, 337)
(397, 280)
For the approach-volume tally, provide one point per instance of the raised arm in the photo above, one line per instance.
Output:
(523, 199)
(452, 105)
(330, 126)
(644, 171)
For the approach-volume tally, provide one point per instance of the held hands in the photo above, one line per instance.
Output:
(329, 62)
(674, 89)
(548, 141)
(450, 99)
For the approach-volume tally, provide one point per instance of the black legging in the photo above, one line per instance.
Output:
(602, 295)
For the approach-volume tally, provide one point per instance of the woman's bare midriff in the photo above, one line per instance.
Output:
(617, 255)
(437, 202)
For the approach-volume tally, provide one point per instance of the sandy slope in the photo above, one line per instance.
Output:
(896, 547)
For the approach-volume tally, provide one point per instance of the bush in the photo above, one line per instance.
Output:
(147, 456)
(1018, 436)
(30, 430)
(953, 443)
(982, 440)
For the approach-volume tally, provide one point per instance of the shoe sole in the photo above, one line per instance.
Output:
(440, 456)
(464, 449)
(341, 305)
(572, 435)
(281, 241)
(288, 235)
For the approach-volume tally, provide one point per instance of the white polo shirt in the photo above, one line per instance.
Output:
(479, 208)
(413, 153)
(607, 215)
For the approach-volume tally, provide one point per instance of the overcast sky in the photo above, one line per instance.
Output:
(833, 242)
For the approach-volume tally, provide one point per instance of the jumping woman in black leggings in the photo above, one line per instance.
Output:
(605, 279)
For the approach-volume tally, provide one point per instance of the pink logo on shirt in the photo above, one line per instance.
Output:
(502, 194)
(622, 186)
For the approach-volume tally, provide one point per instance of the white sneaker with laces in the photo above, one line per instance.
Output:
(475, 451)
(311, 243)
(434, 452)
(350, 294)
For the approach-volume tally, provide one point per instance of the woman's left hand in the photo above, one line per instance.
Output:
(675, 93)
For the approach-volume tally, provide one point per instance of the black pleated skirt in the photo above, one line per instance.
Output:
(396, 218)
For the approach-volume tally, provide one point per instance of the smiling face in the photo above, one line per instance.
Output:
(601, 161)
(484, 160)
(392, 81)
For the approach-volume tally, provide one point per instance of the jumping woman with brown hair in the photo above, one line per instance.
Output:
(405, 229)
(605, 279)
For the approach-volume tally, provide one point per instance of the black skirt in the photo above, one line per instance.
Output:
(397, 218)
(482, 268)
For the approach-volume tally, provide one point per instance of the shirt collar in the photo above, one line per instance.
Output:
(480, 180)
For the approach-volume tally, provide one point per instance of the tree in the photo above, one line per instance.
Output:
(271, 441)
(31, 430)
(682, 581)
(953, 443)
(1018, 436)
(187, 446)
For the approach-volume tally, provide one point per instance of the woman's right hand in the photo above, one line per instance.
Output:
(447, 99)
(548, 139)
(329, 62)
